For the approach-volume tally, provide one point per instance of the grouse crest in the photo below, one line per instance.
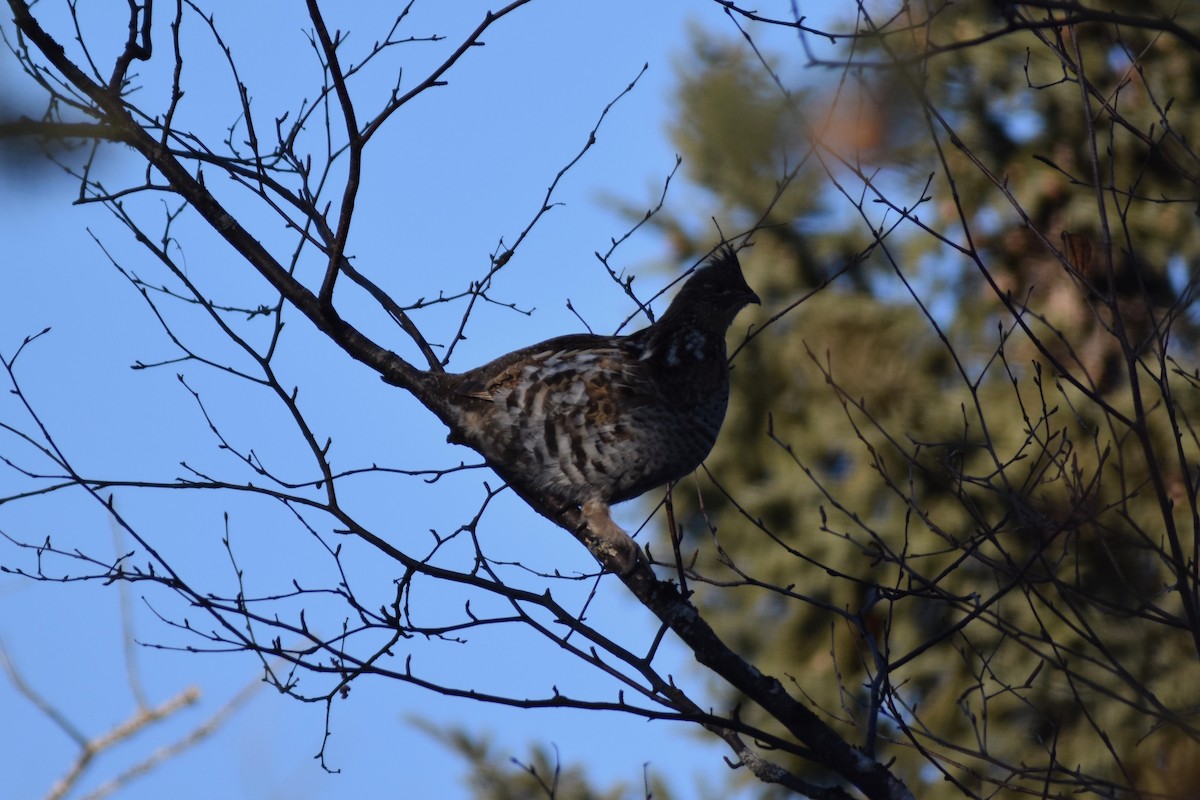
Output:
(593, 420)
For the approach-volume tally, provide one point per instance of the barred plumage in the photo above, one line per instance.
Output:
(594, 420)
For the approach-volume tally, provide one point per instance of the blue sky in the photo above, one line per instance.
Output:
(454, 172)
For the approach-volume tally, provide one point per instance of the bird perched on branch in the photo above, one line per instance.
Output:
(593, 420)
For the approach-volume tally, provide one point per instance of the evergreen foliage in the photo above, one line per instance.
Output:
(944, 496)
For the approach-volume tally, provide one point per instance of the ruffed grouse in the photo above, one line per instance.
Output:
(592, 420)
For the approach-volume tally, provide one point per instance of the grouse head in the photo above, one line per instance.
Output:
(712, 296)
(693, 327)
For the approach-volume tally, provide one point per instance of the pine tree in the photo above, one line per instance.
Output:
(950, 502)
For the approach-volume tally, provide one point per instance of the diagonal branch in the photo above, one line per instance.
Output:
(354, 146)
(116, 116)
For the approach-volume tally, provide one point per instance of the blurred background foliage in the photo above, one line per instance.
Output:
(957, 446)
(968, 513)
